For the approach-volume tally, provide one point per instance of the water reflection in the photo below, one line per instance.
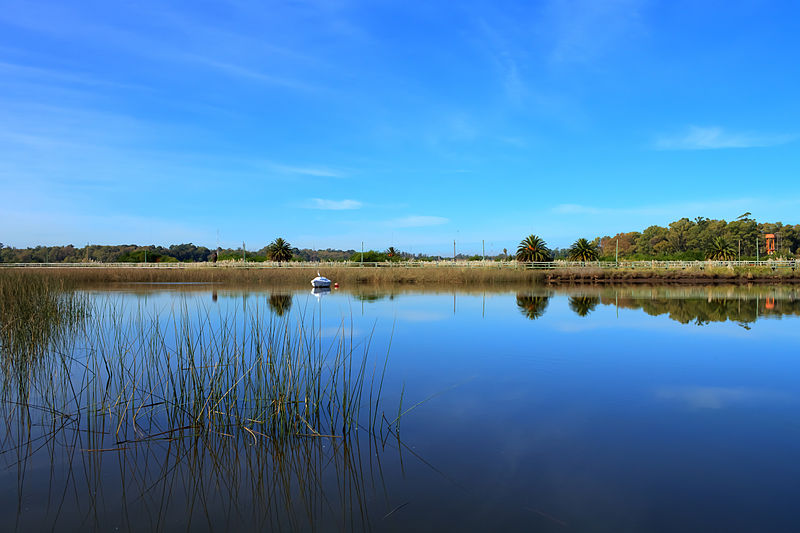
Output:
(687, 305)
(372, 296)
(583, 305)
(204, 480)
(319, 292)
(576, 431)
(532, 306)
(280, 303)
(703, 308)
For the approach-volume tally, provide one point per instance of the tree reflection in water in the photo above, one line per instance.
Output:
(532, 306)
(280, 303)
(706, 309)
(688, 305)
(583, 305)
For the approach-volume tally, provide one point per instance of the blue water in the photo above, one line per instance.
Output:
(675, 417)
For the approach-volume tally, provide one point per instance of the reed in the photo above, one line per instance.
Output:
(353, 276)
(35, 311)
(194, 401)
(153, 374)
(290, 277)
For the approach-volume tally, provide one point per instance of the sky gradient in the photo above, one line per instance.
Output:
(396, 123)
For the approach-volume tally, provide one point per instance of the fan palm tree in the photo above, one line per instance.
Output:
(533, 248)
(532, 306)
(720, 250)
(582, 250)
(391, 253)
(279, 250)
(583, 305)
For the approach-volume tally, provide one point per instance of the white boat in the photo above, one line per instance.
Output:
(320, 281)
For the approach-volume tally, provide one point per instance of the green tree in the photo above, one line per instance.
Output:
(721, 250)
(279, 250)
(679, 234)
(582, 250)
(370, 256)
(744, 230)
(653, 241)
(533, 248)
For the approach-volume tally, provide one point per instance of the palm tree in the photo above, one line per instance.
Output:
(532, 306)
(583, 305)
(279, 250)
(582, 250)
(720, 250)
(532, 248)
(391, 253)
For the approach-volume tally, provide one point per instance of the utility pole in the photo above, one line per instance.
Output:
(145, 255)
(740, 250)
(244, 257)
(483, 248)
(616, 254)
(362, 253)
(757, 250)
(87, 252)
(454, 254)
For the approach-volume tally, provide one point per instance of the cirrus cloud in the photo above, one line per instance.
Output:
(714, 138)
(333, 205)
(418, 221)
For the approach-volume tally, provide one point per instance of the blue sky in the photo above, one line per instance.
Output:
(394, 123)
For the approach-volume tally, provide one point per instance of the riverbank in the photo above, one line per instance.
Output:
(454, 275)
(689, 276)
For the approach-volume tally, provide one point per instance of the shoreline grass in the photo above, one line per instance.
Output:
(428, 276)
(193, 395)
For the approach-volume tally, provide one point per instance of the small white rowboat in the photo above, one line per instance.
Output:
(320, 281)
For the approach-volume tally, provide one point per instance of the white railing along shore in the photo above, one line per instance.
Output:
(636, 265)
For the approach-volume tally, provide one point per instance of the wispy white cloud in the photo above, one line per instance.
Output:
(733, 204)
(241, 71)
(714, 138)
(333, 205)
(503, 56)
(418, 221)
(319, 172)
(583, 30)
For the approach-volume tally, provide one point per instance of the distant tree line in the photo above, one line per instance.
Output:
(702, 237)
(684, 239)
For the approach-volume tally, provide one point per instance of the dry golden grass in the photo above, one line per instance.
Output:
(295, 276)
(424, 276)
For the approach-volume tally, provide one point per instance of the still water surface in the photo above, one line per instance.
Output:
(624, 409)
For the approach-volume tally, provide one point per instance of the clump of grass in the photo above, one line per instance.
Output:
(34, 312)
(200, 396)
(264, 377)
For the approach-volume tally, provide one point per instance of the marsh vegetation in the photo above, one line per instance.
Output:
(218, 407)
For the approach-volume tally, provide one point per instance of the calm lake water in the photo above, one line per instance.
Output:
(621, 409)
